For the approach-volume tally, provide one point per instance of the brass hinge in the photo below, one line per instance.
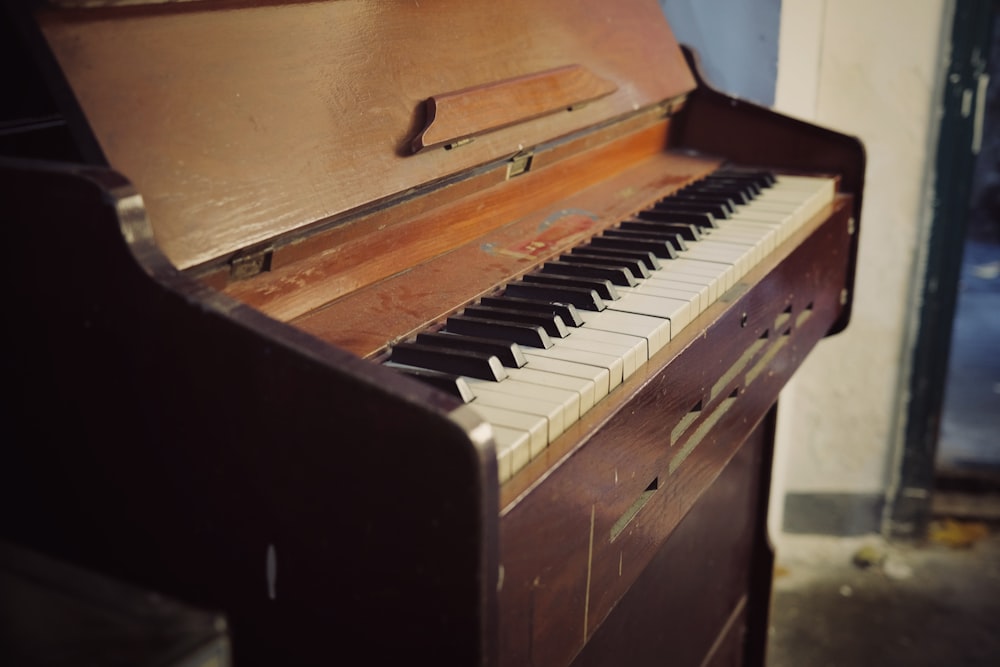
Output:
(519, 164)
(251, 263)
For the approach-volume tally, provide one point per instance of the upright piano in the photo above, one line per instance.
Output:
(439, 329)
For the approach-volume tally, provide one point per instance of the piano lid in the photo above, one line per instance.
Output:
(239, 122)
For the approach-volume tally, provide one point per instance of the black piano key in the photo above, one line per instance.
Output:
(553, 324)
(584, 298)
(567, 311)
(687, 231)
(662, 249)
(738, 192)
(653, 231)
(604, 288)
(617, 275)
(686, 217)
(727, 203)
(718, 211)
(763, 179)
(742, 194)
(759, 181)
(459, 362)
(635, 266)
(530, 335)
(644, 256)
(509, 354)
(447, 382)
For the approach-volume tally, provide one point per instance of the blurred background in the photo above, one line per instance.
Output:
(886, 489)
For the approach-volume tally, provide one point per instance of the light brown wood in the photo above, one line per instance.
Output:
(310, 274)
(241, 123)
(556, 214)
(465, 114)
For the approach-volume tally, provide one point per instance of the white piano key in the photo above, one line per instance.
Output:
(752, 240)
(614, 365)
(741, 253)
(678, 312)
(725, 268)
(701, 283)
(567, 399)
(535, 426)
(552, 411)
(582, 386)
(624, 353)
(655, 330)
(635, 346)
(664, 288)
(673, 282)
(512, 444)
(599, 376)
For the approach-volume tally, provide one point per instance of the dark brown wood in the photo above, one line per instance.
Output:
(197, 339)
(170, 437)
(690, 607)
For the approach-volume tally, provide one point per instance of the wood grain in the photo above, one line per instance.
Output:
(239, 123)
(464, 114)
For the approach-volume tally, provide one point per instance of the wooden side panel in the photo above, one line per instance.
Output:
(169, 437)
(689, 607)
(240, 122)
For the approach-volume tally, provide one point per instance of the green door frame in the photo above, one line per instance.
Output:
(908, 503)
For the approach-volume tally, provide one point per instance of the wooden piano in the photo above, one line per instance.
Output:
(435, 329)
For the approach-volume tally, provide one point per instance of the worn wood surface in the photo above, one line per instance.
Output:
(550, 216)
(234, 414)
(463, 115)
(562, 573)
(167, 436)
(238, 122)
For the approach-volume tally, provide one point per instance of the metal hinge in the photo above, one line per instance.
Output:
(519, 164)
(250, 263)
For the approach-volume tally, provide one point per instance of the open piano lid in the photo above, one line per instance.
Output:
(244, 122)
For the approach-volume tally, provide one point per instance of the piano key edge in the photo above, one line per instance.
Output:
(671, 429)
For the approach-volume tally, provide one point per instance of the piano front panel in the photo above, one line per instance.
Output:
(640, 454)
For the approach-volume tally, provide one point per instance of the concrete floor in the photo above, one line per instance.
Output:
(860, 601)
(932, 605)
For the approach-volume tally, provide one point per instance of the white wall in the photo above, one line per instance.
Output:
(872, 68)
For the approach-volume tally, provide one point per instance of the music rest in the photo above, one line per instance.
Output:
(274, 235)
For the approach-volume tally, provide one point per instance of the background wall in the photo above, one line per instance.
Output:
(875, 70)
(737, 42)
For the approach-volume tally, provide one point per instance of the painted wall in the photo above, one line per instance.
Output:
(875, 70)
(736, 40)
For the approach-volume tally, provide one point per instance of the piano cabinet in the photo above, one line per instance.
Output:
(200, 345)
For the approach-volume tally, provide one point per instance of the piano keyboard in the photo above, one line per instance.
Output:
(535, 358)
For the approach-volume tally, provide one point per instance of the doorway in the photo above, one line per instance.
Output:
(951, 438)
(967, 462)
